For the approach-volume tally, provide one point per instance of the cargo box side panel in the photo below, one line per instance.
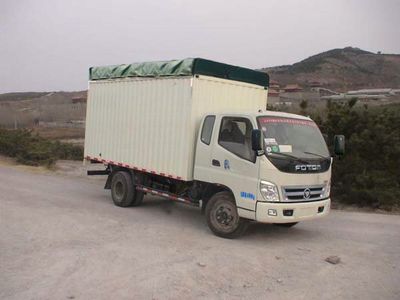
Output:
(143, 123)
(213, 95)
(216, 95)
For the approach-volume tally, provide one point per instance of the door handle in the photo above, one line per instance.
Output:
(216, 163)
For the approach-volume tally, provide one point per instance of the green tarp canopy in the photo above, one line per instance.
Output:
(185, 67)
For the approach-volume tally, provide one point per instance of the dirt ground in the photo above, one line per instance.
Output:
(62, 238)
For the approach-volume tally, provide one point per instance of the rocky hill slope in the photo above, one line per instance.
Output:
(342, 69)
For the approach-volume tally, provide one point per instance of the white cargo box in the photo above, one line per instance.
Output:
(151, 124)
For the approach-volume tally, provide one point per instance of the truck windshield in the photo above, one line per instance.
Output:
(292, 138)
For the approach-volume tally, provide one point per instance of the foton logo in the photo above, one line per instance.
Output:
(308, 167)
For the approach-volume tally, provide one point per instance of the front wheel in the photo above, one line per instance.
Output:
(222, 216)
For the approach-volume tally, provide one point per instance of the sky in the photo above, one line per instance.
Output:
(48, 45)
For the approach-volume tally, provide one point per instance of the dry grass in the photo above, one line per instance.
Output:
(60, 133)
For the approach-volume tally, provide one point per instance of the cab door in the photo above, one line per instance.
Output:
(233, 163)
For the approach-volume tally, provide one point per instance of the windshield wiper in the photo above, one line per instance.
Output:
(316, 154)
(290, 156)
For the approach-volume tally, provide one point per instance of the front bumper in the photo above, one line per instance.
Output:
(291, 212)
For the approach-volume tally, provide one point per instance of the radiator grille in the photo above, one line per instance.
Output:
(303, 193)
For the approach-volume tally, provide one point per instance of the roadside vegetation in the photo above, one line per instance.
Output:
(31, 149)
(369, 173)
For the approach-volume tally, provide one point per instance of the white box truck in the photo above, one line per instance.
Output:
(197, 132)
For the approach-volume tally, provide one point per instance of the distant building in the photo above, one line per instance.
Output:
(273, 84)
(315, 84)
(373, 92)
(273, 93)
(292, 88)
(273, 90)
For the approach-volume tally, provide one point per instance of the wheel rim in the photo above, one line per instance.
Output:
(224, 217)
(119, 190)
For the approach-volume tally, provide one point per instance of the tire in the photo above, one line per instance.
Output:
(138, 195)
(122, 189)
(222, 216)
(288, 225)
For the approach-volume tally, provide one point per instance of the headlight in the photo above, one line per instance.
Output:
(269, 191)
(327, 190)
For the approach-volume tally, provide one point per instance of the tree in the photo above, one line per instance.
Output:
(369, 173)
(303, 107)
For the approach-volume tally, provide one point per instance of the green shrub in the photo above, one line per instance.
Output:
(31, 149)
(369, 172)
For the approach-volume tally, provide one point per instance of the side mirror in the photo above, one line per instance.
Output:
(339, 144)
(256, 140)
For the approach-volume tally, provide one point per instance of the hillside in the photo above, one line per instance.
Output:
(342, 69)
(28, 108)
(21, 96)
(50, 97)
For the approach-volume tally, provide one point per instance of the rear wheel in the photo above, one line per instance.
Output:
(138, 195)
(123, 190)
(286, 224)
(222, 216)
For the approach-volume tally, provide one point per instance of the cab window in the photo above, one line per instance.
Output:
(235, 136)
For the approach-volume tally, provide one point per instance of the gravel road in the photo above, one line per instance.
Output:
(62, 238)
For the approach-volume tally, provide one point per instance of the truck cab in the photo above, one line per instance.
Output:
(284, 180)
